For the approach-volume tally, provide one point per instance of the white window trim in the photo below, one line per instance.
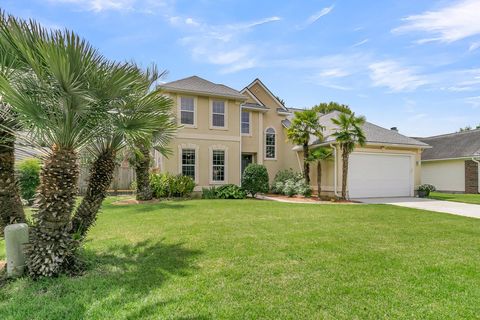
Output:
(265, 144)
(179, 111)
(188, 146)
(249, 134)
(225, 127)
(210, 171)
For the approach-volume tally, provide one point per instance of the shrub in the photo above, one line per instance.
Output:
(427, 188)
(209, 193)
(255, 179)
(281, 177)
(230, 191)
(29, 178)
(166, 185)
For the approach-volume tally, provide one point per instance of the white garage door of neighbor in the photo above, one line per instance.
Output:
(380, 175)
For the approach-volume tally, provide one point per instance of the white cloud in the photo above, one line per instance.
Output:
(315, 17)
(448, 24)
(360, 43)
(146, 6)
(222, 45)
(474, 46)
(473, 101)
(393, 75)
(334, 73)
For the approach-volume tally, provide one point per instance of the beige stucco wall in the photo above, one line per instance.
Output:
(445, 175)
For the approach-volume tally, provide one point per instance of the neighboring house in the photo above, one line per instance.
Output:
(224, 130)
(451, 165)
(387, 166)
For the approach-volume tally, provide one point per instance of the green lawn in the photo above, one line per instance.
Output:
(248, 259)
(466, 198)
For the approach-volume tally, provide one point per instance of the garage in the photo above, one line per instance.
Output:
(380, 175)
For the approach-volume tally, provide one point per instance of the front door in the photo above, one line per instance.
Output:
(246, 160)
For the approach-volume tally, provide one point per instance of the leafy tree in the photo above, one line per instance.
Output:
(11, 209)
(29, 177)
(305, 126)
(349, 133)
(468, 128)
(50, 90)
(318, 155)
(325, 108)
(255, 179)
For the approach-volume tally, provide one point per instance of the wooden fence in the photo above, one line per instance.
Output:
(122, 180)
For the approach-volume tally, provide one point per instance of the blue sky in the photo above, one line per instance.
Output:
(405, 63)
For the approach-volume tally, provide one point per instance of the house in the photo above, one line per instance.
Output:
(224, 130)
(451, 165)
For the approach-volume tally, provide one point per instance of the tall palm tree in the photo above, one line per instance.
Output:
(305, 126)
(349, 134)
(134, 119)
(11, 209)
(53, 98)
(318, 155)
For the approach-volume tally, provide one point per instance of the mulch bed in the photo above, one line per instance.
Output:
(127, 202)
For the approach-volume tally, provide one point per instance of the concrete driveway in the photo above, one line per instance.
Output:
(461, 209)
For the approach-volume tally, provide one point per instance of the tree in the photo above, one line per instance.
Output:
(52, 96)
(349, 134)
(255, 179)
(135, 118)
(157, 140)
(468, 128)
(318, 155)
(325, 108)
(305, 126)
(11, 209)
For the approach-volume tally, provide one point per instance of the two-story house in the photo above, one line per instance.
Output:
(224, 130)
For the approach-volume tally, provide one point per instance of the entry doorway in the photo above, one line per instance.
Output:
(246, 160)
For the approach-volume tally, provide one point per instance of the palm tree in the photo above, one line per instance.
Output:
(53, 98)
(304, 126)
(349, 134)
(135, 118)
(157, 140)
(318, 155)
(11, 209)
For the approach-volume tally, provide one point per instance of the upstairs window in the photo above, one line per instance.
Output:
(270, 152)
(188, 163)
(218, 165)
(187, 111)
(218, 114)
(245, 122)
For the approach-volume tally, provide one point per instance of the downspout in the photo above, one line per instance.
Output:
(334, 169)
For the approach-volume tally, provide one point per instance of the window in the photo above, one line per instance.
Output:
(187, 111)
(270, 143)
(245, 122)
(218, 165)
(218, 113)
(188, 163)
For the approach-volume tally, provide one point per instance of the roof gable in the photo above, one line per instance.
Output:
(454, 145)
(195, 84)
(267, 91)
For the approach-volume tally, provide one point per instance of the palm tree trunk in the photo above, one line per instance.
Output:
(51, 247)
(319, 178)
(345, 156)
(11, 209)
(101, 176)
(142, 170)
(306, 164)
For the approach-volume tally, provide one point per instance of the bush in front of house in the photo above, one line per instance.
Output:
(282, 176)
(255, 179)
(290, 183)
(227, 191)
(166, 185)
(29, 178)
(425, 189)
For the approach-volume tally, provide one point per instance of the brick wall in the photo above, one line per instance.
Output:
(471, 176)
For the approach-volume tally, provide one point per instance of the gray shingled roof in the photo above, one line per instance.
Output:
(256, 106)
(454, 145)
(196, 84)
(374, 134)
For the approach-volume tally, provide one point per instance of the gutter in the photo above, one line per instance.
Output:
(335, 191)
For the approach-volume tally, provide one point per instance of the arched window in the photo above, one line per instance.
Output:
(270, 147)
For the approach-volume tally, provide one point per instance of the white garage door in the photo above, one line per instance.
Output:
(380, 175)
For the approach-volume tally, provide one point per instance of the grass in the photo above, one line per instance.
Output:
(247, 259)
(457, 197)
